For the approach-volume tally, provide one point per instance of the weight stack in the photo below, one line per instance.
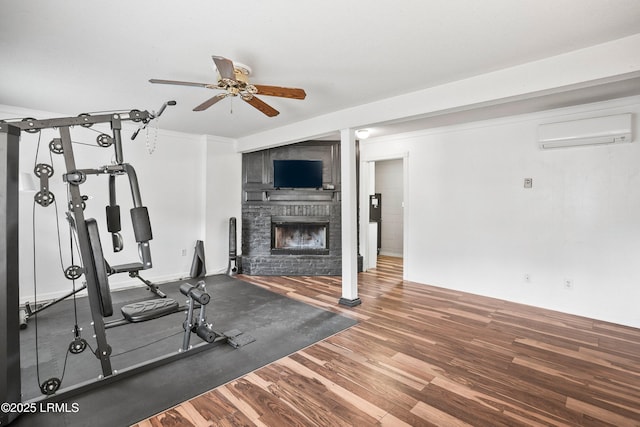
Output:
(198, 267)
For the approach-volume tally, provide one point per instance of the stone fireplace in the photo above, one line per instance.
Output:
(291, 239)
(291, 231)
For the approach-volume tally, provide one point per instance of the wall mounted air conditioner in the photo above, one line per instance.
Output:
(593, 131)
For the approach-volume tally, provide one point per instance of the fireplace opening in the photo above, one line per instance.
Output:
(300, 235)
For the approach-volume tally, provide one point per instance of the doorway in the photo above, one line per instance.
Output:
(383, 180)
(389, 184)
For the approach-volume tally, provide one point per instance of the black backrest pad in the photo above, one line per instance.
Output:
(104, 292)
(141, 224)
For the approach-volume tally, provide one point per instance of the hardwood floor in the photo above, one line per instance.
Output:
(426, 356)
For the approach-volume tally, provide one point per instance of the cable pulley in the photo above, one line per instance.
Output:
(75, 177)
(44, 198)
(30, 130)
(106, 352)
(73, 272)
(77, 346)
(43, 168)
(104, 140)
(50, 386)
(55, 146)
(86, 116)
(135, 115)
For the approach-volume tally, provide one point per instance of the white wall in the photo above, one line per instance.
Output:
(223, 201)
(173, 186)
(475, 228)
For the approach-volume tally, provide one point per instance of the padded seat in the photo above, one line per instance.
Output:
(126, 268)
(150, 309)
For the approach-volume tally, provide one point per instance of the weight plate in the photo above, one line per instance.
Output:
(44, 199)
(50, 386)
(43, 168)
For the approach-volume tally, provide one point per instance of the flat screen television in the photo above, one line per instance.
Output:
(297, 173)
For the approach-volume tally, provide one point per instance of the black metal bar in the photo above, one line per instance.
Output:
(10, 387)
(112, 190)
(133, 183)
(67, 393)
(103, 351)
(82, 120)
(116, 125)
(152, 286)
(38, 309)
(188, 325)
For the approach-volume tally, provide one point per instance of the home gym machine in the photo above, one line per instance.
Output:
(94, 267)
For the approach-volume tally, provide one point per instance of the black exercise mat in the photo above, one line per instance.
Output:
(279, 325)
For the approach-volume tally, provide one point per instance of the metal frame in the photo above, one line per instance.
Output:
(10, 385)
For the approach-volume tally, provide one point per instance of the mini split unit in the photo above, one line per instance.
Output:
(593, 131)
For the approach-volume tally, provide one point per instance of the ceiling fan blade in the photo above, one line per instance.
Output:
(284, 92)
(209, 102)
(225, 67)
(262, 106)
(175, 82)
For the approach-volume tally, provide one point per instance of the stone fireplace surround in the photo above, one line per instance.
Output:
(263, 206)
(258, 257)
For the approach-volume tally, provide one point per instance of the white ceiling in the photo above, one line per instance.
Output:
(78, 56)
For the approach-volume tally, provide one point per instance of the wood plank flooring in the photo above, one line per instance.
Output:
(426, 356)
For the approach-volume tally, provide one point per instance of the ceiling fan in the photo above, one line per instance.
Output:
(234, 80)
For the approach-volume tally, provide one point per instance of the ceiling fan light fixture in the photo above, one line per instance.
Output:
(362, 133)
(242, 68)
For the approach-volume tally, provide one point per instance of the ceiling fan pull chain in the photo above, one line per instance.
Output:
(151, 145)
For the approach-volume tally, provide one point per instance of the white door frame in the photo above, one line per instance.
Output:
(367, 187)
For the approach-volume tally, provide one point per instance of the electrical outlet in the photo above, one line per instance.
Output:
(568, 284)
(528, 183)
(184, 252)
(527, 278)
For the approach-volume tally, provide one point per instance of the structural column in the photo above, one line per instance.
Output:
(9, 267)
(349, 218)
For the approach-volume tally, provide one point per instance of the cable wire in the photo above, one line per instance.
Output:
(61, 260)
